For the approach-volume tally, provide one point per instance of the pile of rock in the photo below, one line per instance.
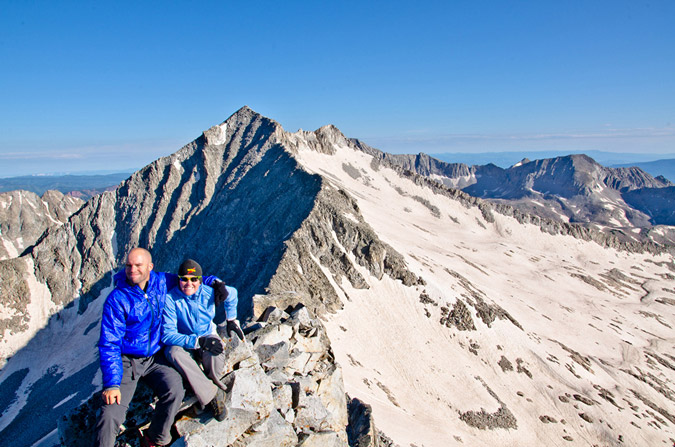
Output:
(283, 389)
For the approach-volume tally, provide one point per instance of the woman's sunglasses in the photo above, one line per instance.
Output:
(190, 278)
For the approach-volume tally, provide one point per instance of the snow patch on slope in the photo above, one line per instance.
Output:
(39, 309)
(10, 248)
(579, 306)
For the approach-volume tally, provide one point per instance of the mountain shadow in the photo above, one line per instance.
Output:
(47, 400)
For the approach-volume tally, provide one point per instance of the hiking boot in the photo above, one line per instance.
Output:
(217, 405)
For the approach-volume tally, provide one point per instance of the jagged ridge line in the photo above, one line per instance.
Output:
(577, 231)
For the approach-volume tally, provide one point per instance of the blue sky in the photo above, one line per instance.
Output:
(115, 85)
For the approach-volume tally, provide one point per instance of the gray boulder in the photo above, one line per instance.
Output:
(274, 431)
(249, 401)
(323, 439)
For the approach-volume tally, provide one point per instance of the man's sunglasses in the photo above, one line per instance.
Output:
(190, 278)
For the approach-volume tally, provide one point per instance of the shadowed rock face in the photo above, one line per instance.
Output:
(657, 203)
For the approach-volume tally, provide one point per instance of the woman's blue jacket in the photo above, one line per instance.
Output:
(188, 317)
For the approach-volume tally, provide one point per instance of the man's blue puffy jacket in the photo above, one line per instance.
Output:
(131, 322)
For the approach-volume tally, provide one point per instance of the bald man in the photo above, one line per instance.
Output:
(129, 349)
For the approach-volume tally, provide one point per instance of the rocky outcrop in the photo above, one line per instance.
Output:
(24, 217)
(361, 429)
(14, 297)
(325, 249)
(283, 389)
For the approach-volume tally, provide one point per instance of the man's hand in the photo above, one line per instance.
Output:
(233, 327)
(112, 396)
(211, 344)
(219, 292)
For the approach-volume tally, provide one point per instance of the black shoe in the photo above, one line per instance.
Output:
(217, 405)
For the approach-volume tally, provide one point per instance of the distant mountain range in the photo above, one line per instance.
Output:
(82, 186)
(654, 164)
(626, 202)
(665, 167)
(88, 185)
(572, 188)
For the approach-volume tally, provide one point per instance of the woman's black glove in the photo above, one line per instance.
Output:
(233, 326)
(211, 344)
(219, 292)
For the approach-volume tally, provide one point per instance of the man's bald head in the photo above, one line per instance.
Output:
(138, 267)
(138, 251)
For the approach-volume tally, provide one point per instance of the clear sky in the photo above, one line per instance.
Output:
(111, 85)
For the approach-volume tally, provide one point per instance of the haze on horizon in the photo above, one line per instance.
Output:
(114, 86)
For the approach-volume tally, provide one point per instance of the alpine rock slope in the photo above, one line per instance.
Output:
(24, 216)
(461, 322)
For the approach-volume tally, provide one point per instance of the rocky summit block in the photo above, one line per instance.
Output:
(283, 389)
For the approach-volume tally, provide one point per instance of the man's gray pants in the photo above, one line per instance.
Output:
(167, 385)
(204, 383)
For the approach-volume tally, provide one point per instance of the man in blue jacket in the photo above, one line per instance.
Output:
(129, 349)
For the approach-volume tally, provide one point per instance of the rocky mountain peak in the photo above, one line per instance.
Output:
(629, 179)
(332, 135)
(448, 313)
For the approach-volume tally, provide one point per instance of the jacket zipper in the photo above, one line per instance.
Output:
(152, 319)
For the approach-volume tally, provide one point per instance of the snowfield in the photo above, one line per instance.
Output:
(586, 358)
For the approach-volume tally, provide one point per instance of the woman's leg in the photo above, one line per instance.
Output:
(185, 363)
(214, 366)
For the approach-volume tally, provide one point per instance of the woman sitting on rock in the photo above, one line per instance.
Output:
(190, 336)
